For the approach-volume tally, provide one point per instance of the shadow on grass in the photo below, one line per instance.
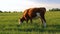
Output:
(30, 27)
(54, 26)
(40, 28)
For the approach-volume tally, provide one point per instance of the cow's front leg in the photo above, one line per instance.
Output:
(31, 20)
(27, 20)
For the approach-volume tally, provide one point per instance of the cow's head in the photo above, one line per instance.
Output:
(21, 20)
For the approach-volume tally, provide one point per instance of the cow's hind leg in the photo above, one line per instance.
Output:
(43, 20)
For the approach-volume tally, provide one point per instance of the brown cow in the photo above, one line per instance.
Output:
(31, 13)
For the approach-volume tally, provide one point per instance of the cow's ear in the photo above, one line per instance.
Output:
(19, 21)
(19, 17)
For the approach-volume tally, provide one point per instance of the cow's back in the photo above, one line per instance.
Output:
(32, 12)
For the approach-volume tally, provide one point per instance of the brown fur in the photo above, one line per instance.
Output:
(30, 13)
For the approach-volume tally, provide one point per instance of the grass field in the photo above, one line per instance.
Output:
(9, 24)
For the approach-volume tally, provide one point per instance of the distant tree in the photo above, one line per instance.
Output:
(9, 12)
(1, 11)
(5, 12)
(14, 11)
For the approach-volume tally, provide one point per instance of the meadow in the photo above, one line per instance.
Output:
(9, 24)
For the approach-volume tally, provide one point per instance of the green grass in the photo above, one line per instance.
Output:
(9, 24)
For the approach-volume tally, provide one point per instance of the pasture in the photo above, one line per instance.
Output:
(9, 24)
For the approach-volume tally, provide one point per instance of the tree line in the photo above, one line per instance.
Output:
(54, 9)
(9, 11)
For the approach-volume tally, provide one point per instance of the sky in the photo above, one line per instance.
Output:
(21, 5)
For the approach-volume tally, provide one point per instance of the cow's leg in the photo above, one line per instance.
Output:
(43, 20)
(27, 20)
(31, 20)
